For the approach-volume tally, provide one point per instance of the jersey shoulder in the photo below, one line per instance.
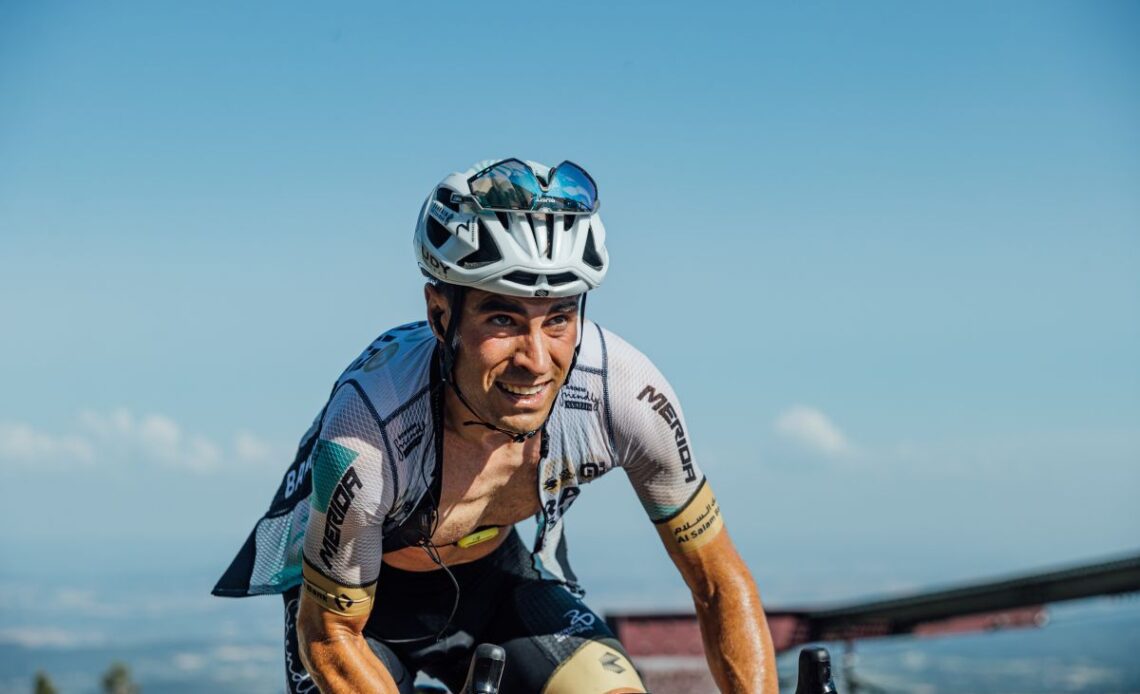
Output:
(380, 406)
(651, 438)
(630, 376)
(394, 369)
(604, 351)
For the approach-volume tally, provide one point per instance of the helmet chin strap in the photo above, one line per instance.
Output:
(478, 421)
(448, 373)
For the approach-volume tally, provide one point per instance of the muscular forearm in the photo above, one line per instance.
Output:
(336, 655)
(736, 639)
(346, 664)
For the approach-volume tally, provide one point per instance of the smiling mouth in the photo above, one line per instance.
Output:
(521, 391)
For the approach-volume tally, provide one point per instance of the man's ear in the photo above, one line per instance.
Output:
(438, 310)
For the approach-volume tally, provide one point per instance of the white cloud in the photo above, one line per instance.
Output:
(120, 436)
(41, 637)
(151, 437)
(189, 662)
(20, 442)
(251, 449)
(78, 601)
(813, 430)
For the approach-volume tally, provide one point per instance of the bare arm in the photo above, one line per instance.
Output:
(335, 653)
(735, 634)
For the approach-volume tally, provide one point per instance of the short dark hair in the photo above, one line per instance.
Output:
(450, 292)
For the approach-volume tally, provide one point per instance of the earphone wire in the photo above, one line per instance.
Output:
(442, 364)
(425, 541)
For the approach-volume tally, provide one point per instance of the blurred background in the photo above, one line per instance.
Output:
(887, 253)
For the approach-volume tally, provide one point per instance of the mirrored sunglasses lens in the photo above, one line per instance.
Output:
(509, 185)
(571, 190)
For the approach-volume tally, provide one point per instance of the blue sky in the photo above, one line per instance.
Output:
(887, 253)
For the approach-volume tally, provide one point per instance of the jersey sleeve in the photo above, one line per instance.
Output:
(652, 444)
(352, 491)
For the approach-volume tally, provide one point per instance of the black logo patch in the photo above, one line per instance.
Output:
(662, 407)
(591, 470)
(578, 398)
(408, 439)
(609, 661)
(341, 500)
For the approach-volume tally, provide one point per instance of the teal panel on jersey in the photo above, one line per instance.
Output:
(330, 460)
(657, 512)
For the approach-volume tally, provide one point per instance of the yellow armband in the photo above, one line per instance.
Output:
(350, 601)
(694, 525)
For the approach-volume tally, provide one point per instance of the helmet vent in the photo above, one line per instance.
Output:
(504, 219)
(486, 254)
(590, 255)
(561, 278)
(549, 235)
(436, 232)
(519, 277)
(443, 195)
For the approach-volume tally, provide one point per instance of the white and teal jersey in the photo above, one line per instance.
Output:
(368, 459)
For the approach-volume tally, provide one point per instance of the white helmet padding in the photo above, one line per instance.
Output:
(515, 253)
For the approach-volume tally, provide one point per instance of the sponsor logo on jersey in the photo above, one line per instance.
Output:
(408, 439)
(662, 406)
(590, 470)
(556, 508)
(296, 478)
(343, 599)
(708, 517)
(578, 398)
(343, 602)
(339, 503)
(591, 665)
(381, 357)
(378, 353)
(552, 483)
(580, 621)
(696, 524)
(610, 662)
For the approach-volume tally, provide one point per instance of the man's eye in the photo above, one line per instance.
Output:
(501, 321)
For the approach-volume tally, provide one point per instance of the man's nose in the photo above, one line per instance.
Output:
(532, 353)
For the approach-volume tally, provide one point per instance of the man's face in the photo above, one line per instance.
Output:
(513, 354)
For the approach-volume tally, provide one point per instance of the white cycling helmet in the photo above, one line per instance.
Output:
(516, 228)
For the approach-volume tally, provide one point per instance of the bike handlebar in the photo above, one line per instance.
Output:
(815, 672)
(486, 670)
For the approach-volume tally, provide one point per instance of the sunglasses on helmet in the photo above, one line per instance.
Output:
(511, 186)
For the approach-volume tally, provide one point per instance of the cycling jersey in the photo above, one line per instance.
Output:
(368, 461)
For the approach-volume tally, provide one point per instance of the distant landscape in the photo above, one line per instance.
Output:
(183, 640)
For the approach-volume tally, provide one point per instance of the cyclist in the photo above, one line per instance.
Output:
(392, 534)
